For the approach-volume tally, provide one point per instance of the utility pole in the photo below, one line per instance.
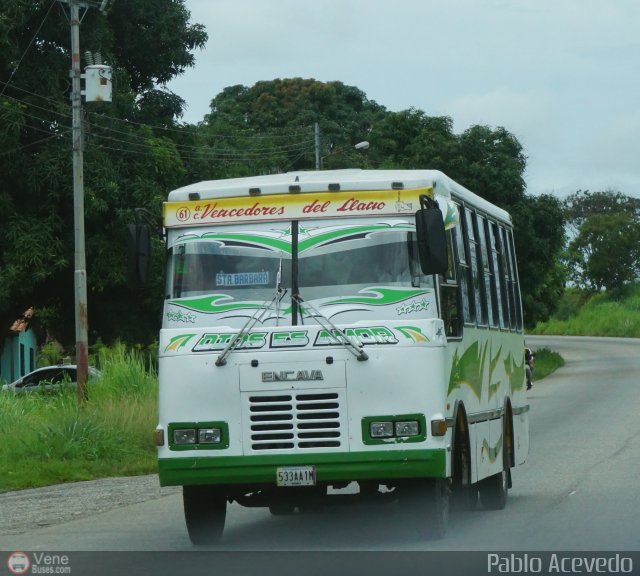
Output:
(100, 90)
(80, 267)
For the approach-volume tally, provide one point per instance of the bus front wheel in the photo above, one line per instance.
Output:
(281, 508)
(205, 512)
(427, 501)
(494, 490)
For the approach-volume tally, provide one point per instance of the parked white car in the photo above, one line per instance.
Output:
(48, 378)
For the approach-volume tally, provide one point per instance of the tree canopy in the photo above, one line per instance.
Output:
(130, 157)
(604, 247)
(136, 151)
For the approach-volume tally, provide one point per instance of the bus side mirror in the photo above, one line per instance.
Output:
(432, 241)
(139, 254)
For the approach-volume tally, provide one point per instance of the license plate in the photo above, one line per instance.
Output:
(296, 476)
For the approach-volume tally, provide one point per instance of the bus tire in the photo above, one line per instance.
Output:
(464, 494)
(427, 501)
(494, 490)
(205, 512)
(313, 501)
(281, 508)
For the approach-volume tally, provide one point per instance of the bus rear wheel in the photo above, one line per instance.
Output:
(205, 512)
(494, 490)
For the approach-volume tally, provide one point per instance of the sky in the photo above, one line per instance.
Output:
(563, 76)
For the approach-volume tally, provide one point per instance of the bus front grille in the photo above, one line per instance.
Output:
(303, 420)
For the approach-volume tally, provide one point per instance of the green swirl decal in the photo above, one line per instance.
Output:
(212, 304)
(310, 238)
(515, 373)
(412, 333)
(492, 452)
(252, 241)
(269, 241)
(493, 364)
(379, 296)
(468, 369)
(178, 342)
(347, 233)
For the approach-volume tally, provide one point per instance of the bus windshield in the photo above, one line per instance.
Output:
(383, 259)
(200, 268)
(342, 266)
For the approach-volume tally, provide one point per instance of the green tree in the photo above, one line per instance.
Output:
(604, 247)
(491, 162)
(583, 204)
(269, 127)
(131, 158)
(246, 131)
(539, 238)
(410, 138)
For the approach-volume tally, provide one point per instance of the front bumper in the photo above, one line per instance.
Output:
(334, 467)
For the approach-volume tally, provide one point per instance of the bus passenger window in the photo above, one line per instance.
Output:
(449, 296)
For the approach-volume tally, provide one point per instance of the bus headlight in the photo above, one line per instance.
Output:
(398, 428)
(184, 436)
(381, 429)
(408, 428)
(209, 436)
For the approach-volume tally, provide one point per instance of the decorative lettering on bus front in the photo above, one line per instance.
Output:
(215, 342)
(373, 335)
(209, 211)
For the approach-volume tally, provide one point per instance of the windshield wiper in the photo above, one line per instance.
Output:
(355, 349)
(279, 290)
(249, 324)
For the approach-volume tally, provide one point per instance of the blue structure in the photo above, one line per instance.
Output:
(19, 350)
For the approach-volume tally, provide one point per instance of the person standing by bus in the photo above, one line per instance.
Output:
(529, 360)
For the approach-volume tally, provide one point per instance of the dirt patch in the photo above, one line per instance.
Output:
(23, 510)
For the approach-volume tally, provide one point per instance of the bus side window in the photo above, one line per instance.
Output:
(514, 279)
(450, 294)
(485, 270)
(515, 315)
(475, 261)
(497, 252)
(465, 279)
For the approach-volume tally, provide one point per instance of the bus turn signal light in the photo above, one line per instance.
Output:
(438, 427)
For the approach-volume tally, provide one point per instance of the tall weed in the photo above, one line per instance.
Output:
(45, 439)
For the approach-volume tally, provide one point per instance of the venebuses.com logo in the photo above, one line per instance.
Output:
(19, 563)
(38, 563)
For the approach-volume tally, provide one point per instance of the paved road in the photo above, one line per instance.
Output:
(579, 489)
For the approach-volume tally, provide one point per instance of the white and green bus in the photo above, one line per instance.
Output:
(339, 335)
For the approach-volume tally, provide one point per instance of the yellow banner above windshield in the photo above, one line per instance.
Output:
(292, 206)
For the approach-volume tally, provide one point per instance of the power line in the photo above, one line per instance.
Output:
(27, 48)
(14, 150)
(249, 133)
(137, 140)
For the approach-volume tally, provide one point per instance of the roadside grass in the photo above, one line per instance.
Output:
(614, 313)
(547, 362)
(49, 439)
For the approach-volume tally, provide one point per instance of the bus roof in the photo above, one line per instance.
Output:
(331, 180)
